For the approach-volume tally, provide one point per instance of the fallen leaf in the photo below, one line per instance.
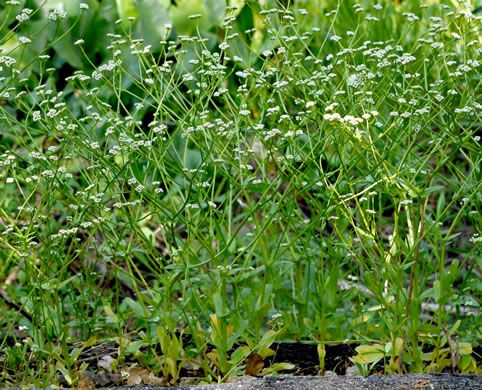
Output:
(85, 383)
(106, 363)
(254, 364)
(134, 377)
(151, 379)
(139, 375)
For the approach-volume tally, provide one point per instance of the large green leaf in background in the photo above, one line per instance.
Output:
(217, 11)
(212, 13)
(153, 15)
(126, 9)
(92, 27)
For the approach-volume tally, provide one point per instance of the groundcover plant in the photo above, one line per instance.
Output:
(234, 175)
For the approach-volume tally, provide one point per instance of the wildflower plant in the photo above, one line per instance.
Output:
(311, 171)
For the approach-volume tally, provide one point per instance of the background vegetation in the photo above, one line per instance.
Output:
(243, 172)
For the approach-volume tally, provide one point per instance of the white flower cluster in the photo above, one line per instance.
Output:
(8, 61)
(57, 14)
(24, 40)
(24, 15)
(475, 238)
(64, 233)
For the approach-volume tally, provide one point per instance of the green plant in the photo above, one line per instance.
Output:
(312, 170)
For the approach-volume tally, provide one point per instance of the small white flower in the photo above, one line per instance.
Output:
(309, 104)
(9, 180)
(223, 46)
(24, 40)
(84, 6)
(79, 42)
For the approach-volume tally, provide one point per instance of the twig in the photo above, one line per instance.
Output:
(400, 357)
(15, 306)
(454, 355)
(12, 276)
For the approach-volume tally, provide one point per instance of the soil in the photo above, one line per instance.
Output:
(305, 359)
(339, 371)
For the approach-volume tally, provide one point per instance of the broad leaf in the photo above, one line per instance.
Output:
(153, 16)
(127, 8)
(369, 353)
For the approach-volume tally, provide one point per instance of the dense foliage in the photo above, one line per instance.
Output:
(246, 173)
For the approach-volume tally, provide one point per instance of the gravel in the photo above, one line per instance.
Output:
(386, 382)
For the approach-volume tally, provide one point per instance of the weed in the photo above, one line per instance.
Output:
(299, 173)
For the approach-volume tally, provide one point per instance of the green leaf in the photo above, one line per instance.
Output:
(217, 11)
(454, 269)
(244, 20)
(239, 354)
(65, 282)
(64, 47)
(465, 348)
(127, 8)
(153, 15)
(268, 289)
(277, 367)
(149, 234)
(237, 3)
(180, 16)
(369, 353)
(437, 293)
(77, 351)
(64, 372)
(255, 5)
(430, 190)
(428, 328)
(321, 355)
(134, 346)
(269, 337)
(219, 307)
(440, 204)
(72, 7)
(136, 308)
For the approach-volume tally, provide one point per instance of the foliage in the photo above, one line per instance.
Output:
(258, 173)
